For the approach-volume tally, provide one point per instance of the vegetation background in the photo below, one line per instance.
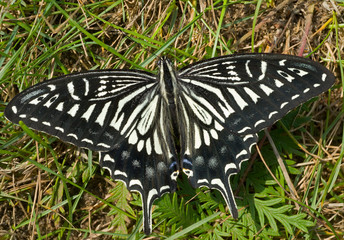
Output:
(52, 190)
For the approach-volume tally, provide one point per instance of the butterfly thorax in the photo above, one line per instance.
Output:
(168, 81)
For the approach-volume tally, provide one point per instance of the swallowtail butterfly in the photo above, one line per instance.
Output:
(202, 120)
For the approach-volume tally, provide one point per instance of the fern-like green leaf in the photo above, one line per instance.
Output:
(121, 196)
(176, 211)
(281, 214)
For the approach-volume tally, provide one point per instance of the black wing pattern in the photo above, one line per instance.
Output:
(213, 109)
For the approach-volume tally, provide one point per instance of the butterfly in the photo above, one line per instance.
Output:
(201, 120)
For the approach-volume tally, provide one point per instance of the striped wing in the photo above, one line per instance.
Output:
(118, 113)
(227, 100)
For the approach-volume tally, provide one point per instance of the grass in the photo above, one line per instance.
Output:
(52, 190)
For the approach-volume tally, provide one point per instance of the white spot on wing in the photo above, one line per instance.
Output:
(38, 99)
(70, 87)
(282, 62)
(284, 104)
(206, 137)
(263, 68)
(87, 140)
(72, 135)
(198, 141)
(285, 75)
(272, 113)
(103, 113)
(161, 167)
(140, 145)
(203, 181)
(51, 101)
(149, 146)
(306, 90)
(46, 123)
(213, 133)
(52, 87)
(118, 172)
(230, 166)
(163, 188)
(59, 129)
(259, 122)
(89, 112)
(174, 175)
(135, 182)
(243, 152)
(125, 155)
(73, 110)
(157, 145)
(136, 163)
(60, 107)
(87, 86)
(218, 126)
(244, 129)
(251, 94)
(238, 99)
(278, 83)
(103, 145)
(248, 71)
(295, 96)
(299, 72)
(133, 137)
(107, 157)
(226, 110)
(116, 124)
(14, 109)
(266, 89)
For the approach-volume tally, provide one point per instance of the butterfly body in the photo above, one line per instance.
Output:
(202, 120)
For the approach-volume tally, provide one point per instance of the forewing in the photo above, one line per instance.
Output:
(226, 101)
(120, 114)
